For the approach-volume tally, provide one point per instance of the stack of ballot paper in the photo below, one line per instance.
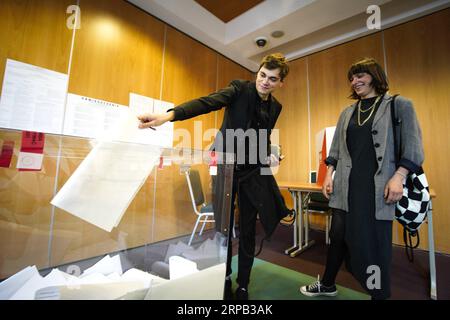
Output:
(103, 281)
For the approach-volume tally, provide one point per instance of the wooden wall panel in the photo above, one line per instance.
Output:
(418, 65)
(33, 32)
(293, 124)
(118, 50)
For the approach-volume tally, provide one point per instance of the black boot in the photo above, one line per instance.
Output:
(241, 294)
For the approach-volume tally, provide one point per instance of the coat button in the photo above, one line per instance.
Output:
(380, 158)
(376, 145)
(374, 132)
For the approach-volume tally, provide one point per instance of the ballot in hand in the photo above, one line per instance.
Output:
(151, 120)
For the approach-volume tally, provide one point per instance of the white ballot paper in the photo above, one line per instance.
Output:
(102, 187)
(162, 135)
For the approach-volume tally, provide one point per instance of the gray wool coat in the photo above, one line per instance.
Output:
(411, 153)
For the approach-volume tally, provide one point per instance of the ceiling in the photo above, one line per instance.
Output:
(228, 10)
(308, 25)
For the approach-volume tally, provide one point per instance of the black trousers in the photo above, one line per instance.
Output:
(247, 232)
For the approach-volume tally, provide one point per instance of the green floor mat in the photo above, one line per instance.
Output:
(272, 282)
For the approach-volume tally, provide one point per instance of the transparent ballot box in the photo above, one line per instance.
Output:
(89, 219)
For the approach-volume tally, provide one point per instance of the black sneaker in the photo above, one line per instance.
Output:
(241, 294)
(318, 289)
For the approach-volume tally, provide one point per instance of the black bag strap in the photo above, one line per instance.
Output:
(409, 247)
(395, 129)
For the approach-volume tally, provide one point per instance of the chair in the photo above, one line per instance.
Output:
(317, 203)
(198, 200)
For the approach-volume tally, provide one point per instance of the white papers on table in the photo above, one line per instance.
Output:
(105, 183)
(163, 135)
(91, 118)
(32, 98)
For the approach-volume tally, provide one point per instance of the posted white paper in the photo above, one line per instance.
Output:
(32, 98)
(91, 118)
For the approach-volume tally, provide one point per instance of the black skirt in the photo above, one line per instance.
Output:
(368, 240)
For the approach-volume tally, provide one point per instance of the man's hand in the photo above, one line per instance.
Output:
(273, 161)
(149, 120)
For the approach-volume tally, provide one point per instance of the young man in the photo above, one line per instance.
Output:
(251, 110)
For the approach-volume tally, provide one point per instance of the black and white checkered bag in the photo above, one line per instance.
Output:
(411, 211)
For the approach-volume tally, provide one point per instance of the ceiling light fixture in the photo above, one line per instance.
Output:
(277, 34)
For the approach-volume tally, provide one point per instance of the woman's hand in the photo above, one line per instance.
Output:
(149, 120)
(393, 191)
(327, 186)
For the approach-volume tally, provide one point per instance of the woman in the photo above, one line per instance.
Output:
(367, 182)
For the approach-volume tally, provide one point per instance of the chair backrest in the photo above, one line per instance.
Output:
(318, 203)
(195, 187)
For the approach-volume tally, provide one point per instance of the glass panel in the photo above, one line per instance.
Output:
(152, 237)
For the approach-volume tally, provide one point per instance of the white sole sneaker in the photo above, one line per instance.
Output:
(304, 291)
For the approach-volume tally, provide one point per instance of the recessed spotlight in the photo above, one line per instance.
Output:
(277, 34)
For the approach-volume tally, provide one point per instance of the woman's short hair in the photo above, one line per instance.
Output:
(274, 61)
(372, 67)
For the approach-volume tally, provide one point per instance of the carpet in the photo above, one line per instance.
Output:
(273, 282)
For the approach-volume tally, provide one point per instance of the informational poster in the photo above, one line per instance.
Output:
(91, 118)
(32, 98)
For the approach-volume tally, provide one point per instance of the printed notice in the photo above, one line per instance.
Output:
(91, 118)
(32, 98)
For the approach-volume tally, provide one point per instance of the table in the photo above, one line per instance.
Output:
(299, 192)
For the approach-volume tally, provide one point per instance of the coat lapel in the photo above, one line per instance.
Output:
(382, 109)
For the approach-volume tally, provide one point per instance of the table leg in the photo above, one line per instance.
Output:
(433, 289)
(296, 207)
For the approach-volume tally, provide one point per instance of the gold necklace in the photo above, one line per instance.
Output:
(372, 108)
